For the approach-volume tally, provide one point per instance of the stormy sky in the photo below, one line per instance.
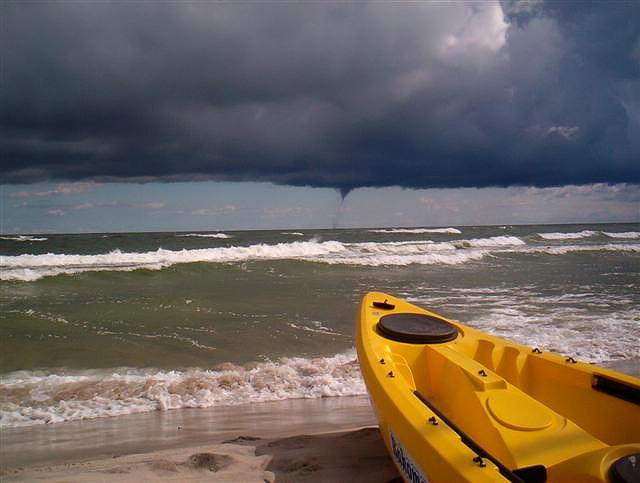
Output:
(322, 94)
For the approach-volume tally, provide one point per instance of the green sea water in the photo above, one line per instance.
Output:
(187, 307)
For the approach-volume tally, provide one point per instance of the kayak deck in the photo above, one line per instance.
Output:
(532, 416)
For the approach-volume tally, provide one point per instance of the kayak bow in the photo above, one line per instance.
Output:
(455, 404)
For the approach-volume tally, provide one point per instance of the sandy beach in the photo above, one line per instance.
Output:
(315, 440)
(328, 439)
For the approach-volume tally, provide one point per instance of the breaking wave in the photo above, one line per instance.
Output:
(453, 231)
(30, 398)
(400, 253)
(207, 235)
(567, 236)
(564, 249)
(588, 234)
(625, 234)
(23, 238)
(34, 267)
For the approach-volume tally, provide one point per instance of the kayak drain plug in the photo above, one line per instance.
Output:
(481, 463)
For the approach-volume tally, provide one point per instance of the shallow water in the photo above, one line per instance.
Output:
(158, 430)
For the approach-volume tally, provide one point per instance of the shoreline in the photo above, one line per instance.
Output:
(321, 439)
(293, 440)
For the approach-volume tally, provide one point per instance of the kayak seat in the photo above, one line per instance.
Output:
(416, 328)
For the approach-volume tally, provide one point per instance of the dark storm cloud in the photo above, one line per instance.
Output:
(322, 94)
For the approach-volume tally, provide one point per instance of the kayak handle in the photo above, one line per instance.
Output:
(384, 305)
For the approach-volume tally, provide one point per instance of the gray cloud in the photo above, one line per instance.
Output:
(322, 94)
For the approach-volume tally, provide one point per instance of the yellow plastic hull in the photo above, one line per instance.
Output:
(479, 408)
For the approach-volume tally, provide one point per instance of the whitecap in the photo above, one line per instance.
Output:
(568, 236)
(626, 234)
(23, 238)
(207, 235)
(453, 231)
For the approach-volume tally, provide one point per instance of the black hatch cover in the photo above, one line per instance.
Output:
(416, 328)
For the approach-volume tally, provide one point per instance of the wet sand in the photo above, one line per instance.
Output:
(329, 439)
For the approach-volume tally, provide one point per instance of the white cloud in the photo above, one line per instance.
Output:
(278, 212)
(602, 190)
(61, 189)
(482, 26)
(431, 204)
(72, 188)
(224, 210)
(524, 6)
(567, 132)
(151, 205)
(20, 194)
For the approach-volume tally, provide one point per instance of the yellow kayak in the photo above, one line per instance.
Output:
(455, 404)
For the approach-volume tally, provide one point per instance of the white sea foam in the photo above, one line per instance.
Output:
(293, 233)
(453, 231)
(568, 236)
(566, 331)
(417, 252)
(626, 234)
(399, 253)
(564, 249)
(589, 234)
(33, 267)
(589, 325)
(450, 257)
(29, 398)
(23, 238)
(207, 235)
(496, 241)
(316, 327)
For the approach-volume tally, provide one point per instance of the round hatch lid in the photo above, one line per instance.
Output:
(517, 411)
(416, 328)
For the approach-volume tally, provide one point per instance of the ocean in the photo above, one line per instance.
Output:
(97, 325)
